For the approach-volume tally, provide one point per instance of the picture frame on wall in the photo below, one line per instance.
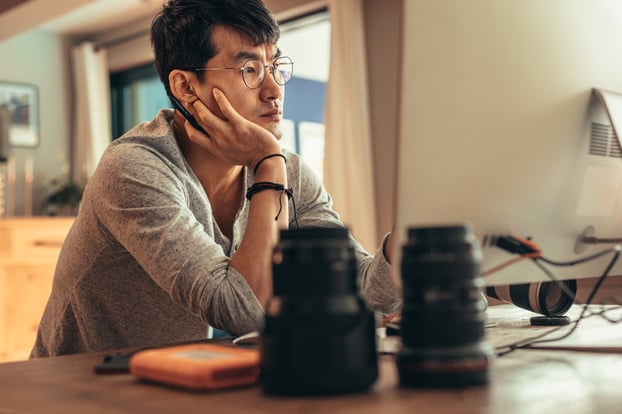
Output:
(19, 106)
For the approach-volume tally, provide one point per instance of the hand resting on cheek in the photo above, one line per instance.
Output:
(234, 138)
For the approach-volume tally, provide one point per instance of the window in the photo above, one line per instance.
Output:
(137, 94)
(307, 41)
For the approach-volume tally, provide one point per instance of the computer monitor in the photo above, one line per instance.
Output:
(504, 126)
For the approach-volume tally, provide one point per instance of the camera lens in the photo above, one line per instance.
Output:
(443, 317)
(546, 298)
(318, 336)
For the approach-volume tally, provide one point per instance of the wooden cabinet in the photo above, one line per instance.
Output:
(29, 249)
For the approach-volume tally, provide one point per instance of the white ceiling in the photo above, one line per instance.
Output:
(102, 15)
(79, 18)
(87, 18)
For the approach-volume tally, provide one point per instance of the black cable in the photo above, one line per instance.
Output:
(603, 311)
(295, 210)
(596, 240)
(581, 259)
(538, 338)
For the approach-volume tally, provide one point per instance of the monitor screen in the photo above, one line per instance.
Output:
(506, 112)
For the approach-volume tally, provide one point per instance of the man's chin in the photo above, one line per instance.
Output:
(276, 131)
(273, 127)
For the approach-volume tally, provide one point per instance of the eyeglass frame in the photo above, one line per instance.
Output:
(266, 67)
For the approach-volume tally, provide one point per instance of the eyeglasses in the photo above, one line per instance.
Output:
(254, 71)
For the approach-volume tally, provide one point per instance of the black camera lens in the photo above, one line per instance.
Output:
(318, 336)
(443, 318)
(546, 298)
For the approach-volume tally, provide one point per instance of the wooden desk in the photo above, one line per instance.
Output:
(526, 381)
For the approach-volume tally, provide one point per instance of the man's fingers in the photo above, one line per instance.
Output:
(225, 106)
(210, 121)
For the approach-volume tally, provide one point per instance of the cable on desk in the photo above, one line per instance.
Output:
(616, 253)
(610, 300)
(506, 349)
(526, 344)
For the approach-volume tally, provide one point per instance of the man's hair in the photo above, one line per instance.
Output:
(181, 33)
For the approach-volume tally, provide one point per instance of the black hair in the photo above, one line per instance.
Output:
(181, 33)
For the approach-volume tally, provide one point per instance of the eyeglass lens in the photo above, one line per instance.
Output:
(254, 71)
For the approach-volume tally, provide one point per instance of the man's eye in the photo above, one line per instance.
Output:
(249, 69)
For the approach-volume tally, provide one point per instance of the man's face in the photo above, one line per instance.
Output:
(264, 105)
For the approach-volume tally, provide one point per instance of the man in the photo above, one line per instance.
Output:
(177, 226)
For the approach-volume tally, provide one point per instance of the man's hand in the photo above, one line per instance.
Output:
(233, 138)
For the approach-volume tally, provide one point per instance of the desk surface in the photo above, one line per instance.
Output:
(525, 381)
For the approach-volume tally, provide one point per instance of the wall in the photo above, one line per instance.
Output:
(41, 59)
(383, 32)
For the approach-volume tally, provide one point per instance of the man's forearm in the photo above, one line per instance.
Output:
(253, 259)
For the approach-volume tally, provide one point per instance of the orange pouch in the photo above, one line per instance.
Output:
(198, 366)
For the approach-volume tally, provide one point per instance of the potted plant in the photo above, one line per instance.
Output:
(64, 200)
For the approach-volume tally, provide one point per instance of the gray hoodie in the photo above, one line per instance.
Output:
(146, 264)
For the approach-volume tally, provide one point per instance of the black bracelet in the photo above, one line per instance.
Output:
(267, 185)
(265, 158)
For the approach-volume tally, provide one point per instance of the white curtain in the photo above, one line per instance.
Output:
(348, 164)
(91, 123)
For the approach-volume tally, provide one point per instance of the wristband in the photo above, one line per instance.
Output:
(265, 158)
(267, 185)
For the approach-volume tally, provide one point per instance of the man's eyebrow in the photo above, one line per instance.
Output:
(244, 55)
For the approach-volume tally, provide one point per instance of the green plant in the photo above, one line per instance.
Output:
(65, 198)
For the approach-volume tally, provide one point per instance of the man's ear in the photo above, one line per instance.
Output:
(180, 83)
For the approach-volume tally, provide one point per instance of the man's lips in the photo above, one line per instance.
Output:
(273, 114)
